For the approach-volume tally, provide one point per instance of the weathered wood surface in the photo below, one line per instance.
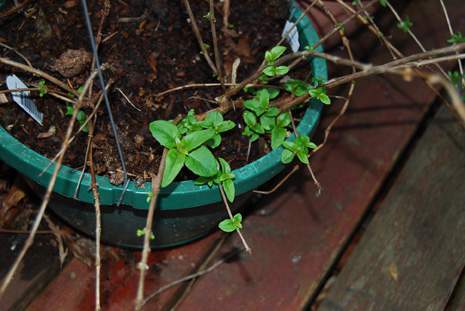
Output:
(39, 267)
(457, 301)
(413, 252)
(295, 236)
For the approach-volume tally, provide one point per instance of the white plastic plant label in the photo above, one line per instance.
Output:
(20, 98)
(291, 34)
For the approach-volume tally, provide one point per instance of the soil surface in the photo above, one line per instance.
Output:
(150, 47)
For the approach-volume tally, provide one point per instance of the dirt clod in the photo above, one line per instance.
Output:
(72, 62)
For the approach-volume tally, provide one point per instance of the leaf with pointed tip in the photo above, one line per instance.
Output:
(173, 165)
(202, 162)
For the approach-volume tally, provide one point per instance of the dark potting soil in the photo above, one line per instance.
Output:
(150, 47)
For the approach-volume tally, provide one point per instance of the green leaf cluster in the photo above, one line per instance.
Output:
(300, 147)
(261, 118)
(271, 70)
(300, 88)
(224, 178)
(230, 225)
(81, 117)
(184, 150)
(141, 232)
(405, 25)
(214, 121)
(456, 38)
(42, 88)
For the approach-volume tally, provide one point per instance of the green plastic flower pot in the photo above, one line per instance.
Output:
(185, 211)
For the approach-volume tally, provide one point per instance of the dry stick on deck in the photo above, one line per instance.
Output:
(142, 265)
(280, 183)
(98, 219)
(191, 277)
(228, 209)
(51, 184)
(196, 30)
(216, 50)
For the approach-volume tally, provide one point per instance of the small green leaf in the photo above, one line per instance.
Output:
(193, 140)
(229, 190)
(283, 120)
(249, 118)
(303, 156)
(42, 88)
(225, 126)
(456, 38)
(287, 156)
(227, 225)
(275, 53)
(202, 162)
(173, 165)
(383, 3)
(405, 25)
(292, 146)
(165, 132)
(238, 220)
(282, 70)
(225, 167)
(267, 122)
(296, 87)
(215, 141)
(69, 110)
(81, 118)
(270, 71)
(273, 92)
(278, 135)
(253, 105)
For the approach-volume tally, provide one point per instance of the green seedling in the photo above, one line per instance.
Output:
(230, 225)
(141, 232)
(224, 178)
(300, 148)
(42, 88)
(81, 117)
(184, 150)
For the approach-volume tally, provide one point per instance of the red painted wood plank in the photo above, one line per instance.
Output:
(297, 242)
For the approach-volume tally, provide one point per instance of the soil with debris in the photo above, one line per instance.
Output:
(150, 47)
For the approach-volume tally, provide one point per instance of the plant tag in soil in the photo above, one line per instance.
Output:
(291, 34)
(21, 98)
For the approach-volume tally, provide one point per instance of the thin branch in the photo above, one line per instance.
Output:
(280, 183)
(451, 31)
(142, 265)
(40, 73)
(98, 219)
(198, 35)
(228, 209)
(192, 276)
(216, 50)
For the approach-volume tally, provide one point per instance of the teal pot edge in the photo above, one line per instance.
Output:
(179, 195)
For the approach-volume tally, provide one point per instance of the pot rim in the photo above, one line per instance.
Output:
(179, 195)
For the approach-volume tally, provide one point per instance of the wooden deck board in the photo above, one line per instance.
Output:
(413, 251)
